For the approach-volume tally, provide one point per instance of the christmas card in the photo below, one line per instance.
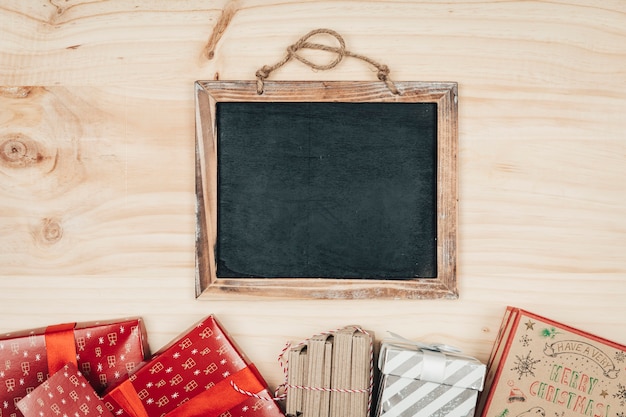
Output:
(541, 368)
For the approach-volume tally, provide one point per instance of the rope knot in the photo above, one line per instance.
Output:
(383, 73)
(340, 50)
(263, 72)
(292, 49)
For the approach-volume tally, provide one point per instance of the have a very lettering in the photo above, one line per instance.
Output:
(584, 349)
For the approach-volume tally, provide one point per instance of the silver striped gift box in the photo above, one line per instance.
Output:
(426, 381)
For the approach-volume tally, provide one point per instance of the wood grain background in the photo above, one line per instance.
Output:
(97, 159)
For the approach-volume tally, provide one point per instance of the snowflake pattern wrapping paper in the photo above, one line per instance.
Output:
(541, 368)
(421, 381)
(105, 352)
(65, 394)
(194, 375)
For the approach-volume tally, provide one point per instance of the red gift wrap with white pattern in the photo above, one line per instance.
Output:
(66, 393)
(105, 352)
(195, 375)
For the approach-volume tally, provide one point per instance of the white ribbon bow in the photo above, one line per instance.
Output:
(434, 358)
(399, 340)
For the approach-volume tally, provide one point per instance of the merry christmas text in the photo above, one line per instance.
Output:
(570, 388)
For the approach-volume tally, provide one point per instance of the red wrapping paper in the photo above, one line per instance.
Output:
(105, 352)
(65, 394)
(193, 376)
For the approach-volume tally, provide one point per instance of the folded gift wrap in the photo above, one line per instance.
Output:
(66, 393)
(421, 380)
(201, 373)
(105, 352)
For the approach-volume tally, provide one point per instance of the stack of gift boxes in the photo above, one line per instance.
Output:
(103, 352)
(105, 369)
(538, 367)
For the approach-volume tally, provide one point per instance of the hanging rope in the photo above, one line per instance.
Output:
(292, 52)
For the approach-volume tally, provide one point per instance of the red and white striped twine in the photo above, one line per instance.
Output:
(349, 391)
(250, 394)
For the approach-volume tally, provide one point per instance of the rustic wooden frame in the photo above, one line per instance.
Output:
(209, 286)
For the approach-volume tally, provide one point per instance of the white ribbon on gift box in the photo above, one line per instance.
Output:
(434, 356)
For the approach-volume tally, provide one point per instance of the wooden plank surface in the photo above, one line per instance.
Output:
(97, 216)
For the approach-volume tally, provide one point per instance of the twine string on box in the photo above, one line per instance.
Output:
(292, 52)
(284, 364)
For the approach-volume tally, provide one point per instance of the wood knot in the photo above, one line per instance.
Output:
(19, 151)
(15, 92)
(51, 231)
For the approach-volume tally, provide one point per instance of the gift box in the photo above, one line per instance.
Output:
(201, 373)
(66, 393)
(539, 367)
(419, 380)
(105, 352)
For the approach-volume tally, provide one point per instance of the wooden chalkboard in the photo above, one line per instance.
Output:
(326, 190)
